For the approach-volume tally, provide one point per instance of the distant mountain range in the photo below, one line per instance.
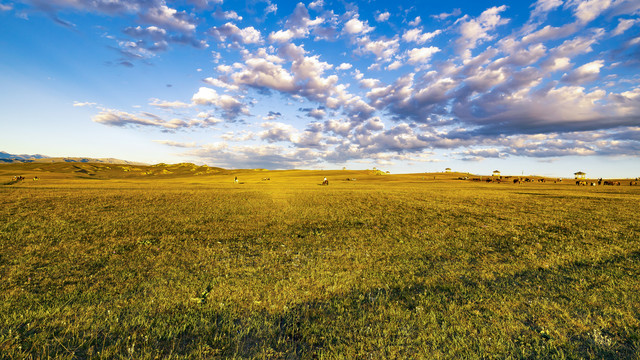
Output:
(22, 158)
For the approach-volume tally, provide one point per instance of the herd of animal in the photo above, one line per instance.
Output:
(542, 180)
(604, 182)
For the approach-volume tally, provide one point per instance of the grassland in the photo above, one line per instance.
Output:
(101, 262)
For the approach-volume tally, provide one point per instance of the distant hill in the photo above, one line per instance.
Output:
(13, 158)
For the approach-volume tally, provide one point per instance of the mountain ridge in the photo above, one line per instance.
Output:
(7, 158)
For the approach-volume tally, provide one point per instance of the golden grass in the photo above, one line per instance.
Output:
(387, 266)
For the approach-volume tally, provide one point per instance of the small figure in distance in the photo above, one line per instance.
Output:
(325, 181)
(235, 180)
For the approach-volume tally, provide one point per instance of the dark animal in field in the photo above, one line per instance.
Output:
(488, 180)
(475, 179)
(326, 182)
(616, 183)
(600, 181)
(607, 182)
(581, 183)
(266, 179)
(633, 183)
(541, 180)
(517, 181)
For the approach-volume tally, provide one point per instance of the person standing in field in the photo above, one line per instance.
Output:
(235, 180)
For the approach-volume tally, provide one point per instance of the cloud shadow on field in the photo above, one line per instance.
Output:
(530, 314)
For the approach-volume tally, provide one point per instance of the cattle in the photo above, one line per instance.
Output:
(517, 181)
(325, 182)
(581, 183)
(633, 183)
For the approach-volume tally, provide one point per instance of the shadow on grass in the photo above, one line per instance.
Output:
(462, 317)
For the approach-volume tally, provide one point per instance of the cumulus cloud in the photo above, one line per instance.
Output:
(416, 35)
(168, 104)
(586, 11)
(585, 73)
(298, 25)
(226, 15)
(416, 21)
(344, 66)
(170, 18)
(355, 26)
(473, 31)
(230, 32)
(230, 107)
(382, 17)
(421, 55)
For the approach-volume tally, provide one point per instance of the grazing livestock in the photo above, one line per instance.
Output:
(581, 183)
(633, 183)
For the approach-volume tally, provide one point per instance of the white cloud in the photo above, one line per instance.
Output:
(416, 35)
(229, 105)
(121, 118)
(585, 73)
(344, 66)
(168, 104)
(248, 35)
(271, 9)
(623, 25)
(542, 7)
(382, 17)
(415, 21)
(421, 55)
(587, 10)
(219, 83)
(298, 25)
(176, 144)
(476, 30)
(394, 65)
(355, 26)
(443, 16)
(168, 17)
(315, 5)
(227, 15)
(6, 7)
(83, 104)
(382, 48)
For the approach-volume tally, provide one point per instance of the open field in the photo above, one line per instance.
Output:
(180, 262)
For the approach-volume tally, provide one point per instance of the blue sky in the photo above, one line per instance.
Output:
(545, 87)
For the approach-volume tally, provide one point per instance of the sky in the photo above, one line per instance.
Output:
(547, 87)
